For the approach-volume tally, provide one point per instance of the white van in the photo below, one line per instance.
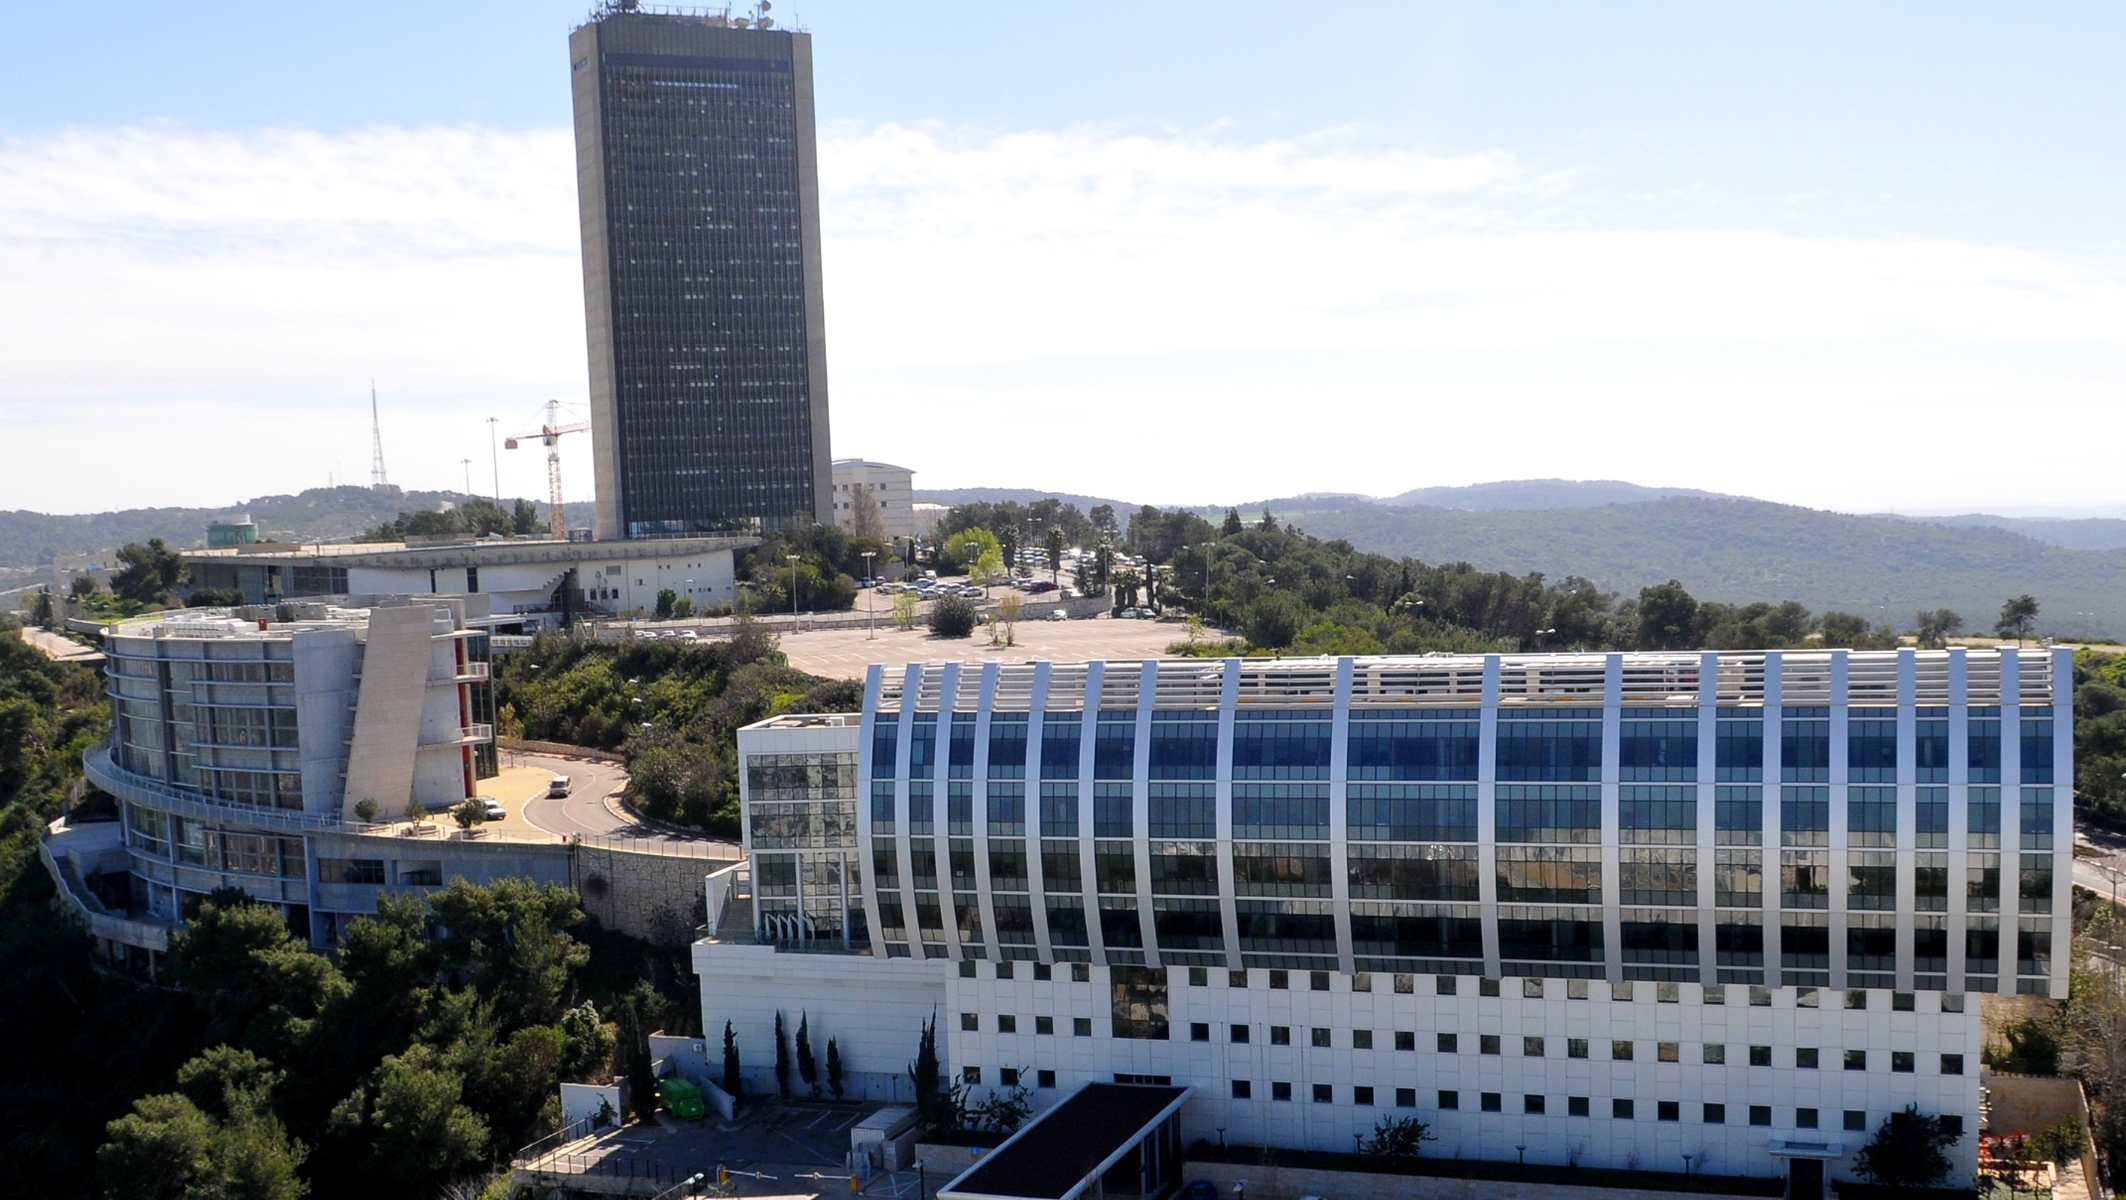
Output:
(558, 788)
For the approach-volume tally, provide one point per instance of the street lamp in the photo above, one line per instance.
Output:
(871, 596)
(496, 455)
(793, 591)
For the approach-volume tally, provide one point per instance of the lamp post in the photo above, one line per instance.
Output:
(793, 591)
(871, 596)
(497, 457)
(1686, 1165)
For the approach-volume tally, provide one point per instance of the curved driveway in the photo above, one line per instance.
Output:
(592, 808)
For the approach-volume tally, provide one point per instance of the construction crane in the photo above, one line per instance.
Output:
(550, 433)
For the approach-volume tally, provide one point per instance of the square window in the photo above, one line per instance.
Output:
(1902, 1061)
(1044, 1079)
(1856, 998)
(970, 1023)
(1043, 972)
(1804, 1118)
(1856, 1122)
(1903, 1002)
(1318, 1038)
(1952, 1064)
(1490, 1102)
(1576, 989)
(1240, 1035)
(1405, 1040)
(1199, 977)
(1449, 1101)
(1576, 1106)
(1044, 1024)
(1620, 991)
(967, 968)
(1667, 1110)
(1805, 1057)
(1760, 997)
(1280, 980)
(1324, 1094)
(1487, 987)
(1318, 980)
(1716, 1114)
(1007, 1024)
(1243, 1090)
(1620, 1109)
(1406, 1097)
(1487, 1043)
(1199, 1031)
(1238, 979)
(1280, 1035)
(1406, 985)
(1952, 1125)
(1805, 998)
(1760, 1056)
(1081, 1027)
(1715, 1052)
(1531, 1047)
(1760, 1114)
(1532, 989)
(1576, 1047)
(1668, 1051)
(1081, 973)
(1004, 969)
(1009, 1077)
(970, 1075)
(1280, 1091)
(1448, 1042)
(1443, 985)
(1361, 981)
(1952, 1002)
(1362, 1095)
(1361, 1039)
(1856, 1060)
(1532, 1105)
(1715, 993)
(1620, 1051)
(1668, 993)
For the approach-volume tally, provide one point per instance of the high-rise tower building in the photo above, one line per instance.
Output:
(699, 196)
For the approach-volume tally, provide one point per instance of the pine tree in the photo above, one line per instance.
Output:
(834, 1068)
(807, 1069)
(782, 1059)
(731, 1077)
(933, 1107)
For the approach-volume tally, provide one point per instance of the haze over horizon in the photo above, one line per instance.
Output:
(1864, 261)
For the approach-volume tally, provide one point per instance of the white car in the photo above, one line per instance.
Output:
(492, 809)
(1061, 614)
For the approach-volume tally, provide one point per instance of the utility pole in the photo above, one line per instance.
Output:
(793, 592)
(495, 454)
(377, 478)
(871, 595)
(468, 475)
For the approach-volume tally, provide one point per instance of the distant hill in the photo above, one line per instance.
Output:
(1884, 568)
(320, 514)
(2082, 533)
(1021, 495)
(1532, 494)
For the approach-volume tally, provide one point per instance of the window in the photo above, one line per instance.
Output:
(1490, 1102)
(1953, 1125)
(1856, 1060)
(1443, 985)
(1620, 1051)
(1856, 1122)
(1008, 1077)
(1450, 1101)
(1280, 1035)
(1280, 1091)
(1044, 1079)
(1952, 1064)
(1362, 1096)
(1081, 1026)
(1324, 1094)
(1449, 1042)
(1199, 977)
(1576, 1106)
(1901, 1062)
(1715, 1052)
(1532, 1105)
(1804, 1118)
(1319, 980)
(1240, 1035)
(1668, 1051)
(1199, 1031)
(1716, 1114)
(967, 969)
(1532, 989)
(1620, 1109)
(1007, 1024)
(1044, 1024)
(1361, 1039)
(1080, 973)
(1487, 1043)
(1139, 1008)
(1406, 1097)
(1531, 1047)
(1668, 1110)
(971, 1075)
(1405, 1040)
(1760, 1114)
(970, 1023)
(1761, 1056)
(1243, 1090)
(1487, 987)
(1576, 1047)
(1805, 1057)
(1280, 980)
(1318, 1038)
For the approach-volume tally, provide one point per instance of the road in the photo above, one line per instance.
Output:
(592, 808)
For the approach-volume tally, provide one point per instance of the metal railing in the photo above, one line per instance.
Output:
(153, 793)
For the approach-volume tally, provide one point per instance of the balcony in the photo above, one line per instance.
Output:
(472, 672)
(65, 849)
(469, 735)
(154, 793)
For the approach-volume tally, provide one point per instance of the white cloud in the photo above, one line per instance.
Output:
(1160, 317)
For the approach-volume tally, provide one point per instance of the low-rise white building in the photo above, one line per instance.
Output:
(880, 488)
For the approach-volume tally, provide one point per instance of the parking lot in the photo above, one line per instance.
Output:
(771, 1150)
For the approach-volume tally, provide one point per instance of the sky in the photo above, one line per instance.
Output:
(1870, 258)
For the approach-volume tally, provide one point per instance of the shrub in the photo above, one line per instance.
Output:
(952, 617)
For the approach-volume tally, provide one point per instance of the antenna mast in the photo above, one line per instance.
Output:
(377, 478)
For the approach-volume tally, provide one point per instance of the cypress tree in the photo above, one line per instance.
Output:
(807, 1069)
(782, 1059)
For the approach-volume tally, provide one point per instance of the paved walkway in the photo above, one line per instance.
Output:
(60, 648)
(592, 809)
(846, 653)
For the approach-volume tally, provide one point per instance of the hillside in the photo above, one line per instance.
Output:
(320, 514)
(1526, 494)
(1742, 550)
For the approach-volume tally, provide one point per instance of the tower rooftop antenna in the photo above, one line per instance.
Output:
(377, 478)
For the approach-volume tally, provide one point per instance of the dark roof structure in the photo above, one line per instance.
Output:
(1067, 1149)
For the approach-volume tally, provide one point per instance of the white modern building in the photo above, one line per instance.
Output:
(880, 487)
(525, 583)
(1618, 910)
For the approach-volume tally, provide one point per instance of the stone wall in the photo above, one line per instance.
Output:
(652, 896)
(1290, 1183)
(558, 750)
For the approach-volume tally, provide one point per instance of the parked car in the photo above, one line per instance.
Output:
(492, 809)
(1040, 585)
(1061, 614)
(559, 787)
